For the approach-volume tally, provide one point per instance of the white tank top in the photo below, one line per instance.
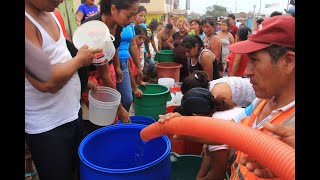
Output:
(46, 111)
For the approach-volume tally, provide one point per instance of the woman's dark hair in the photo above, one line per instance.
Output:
(244, 32)
(198, 21)
(190, 41)
(259, 21)
(232, 16)
(195, 79)
(275, 13)
(200, 101)
(139, 30)
(105, 5)
(222, 104)
(226, 21)
(141, 8)
(209, 20)
(153, 24)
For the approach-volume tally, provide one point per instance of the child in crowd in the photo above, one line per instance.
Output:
(139, 38)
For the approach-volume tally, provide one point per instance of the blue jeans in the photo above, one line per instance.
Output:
(151, 64)
(150, 61)
(124, 87)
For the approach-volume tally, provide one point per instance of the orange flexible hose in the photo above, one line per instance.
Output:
(270, 152)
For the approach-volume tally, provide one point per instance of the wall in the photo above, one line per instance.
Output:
(155, 16)
(155, 6)
(69, 17)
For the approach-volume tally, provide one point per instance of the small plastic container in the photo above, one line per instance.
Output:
(168, 82)
(95, 34)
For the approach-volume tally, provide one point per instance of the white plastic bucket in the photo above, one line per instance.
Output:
(103, 105)
(105, 95)
(168, 82)
(95, 34)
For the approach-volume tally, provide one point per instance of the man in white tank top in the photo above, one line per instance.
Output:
(52, 124)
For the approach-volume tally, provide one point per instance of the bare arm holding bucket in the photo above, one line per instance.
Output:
(62, 73)
(134, 51)
(136, 91)
(170, 42)
(117, 69)
(153, 44)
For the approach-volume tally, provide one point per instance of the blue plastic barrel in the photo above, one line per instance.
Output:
(146, 120)
(117, 152)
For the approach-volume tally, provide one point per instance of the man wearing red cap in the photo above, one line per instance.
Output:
(271, 68)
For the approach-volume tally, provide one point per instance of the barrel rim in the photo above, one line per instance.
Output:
(120, 171)
(161, 65)
(153, 94)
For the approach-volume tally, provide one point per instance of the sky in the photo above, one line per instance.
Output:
(199, 6)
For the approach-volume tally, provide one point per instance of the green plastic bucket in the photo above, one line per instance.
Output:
(154, 101)
(164, 56)
(184, 167)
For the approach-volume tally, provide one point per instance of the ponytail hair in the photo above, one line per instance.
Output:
(195, 79)
(222, 104)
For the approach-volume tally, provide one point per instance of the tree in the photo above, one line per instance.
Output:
(216, 11)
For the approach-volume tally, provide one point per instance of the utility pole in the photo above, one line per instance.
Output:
(235, 6)
(259, 7)
(187, 4)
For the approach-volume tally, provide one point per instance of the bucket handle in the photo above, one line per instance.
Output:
(112, 37)
(174, 156)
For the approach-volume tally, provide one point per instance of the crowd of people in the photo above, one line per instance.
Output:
(243, 75)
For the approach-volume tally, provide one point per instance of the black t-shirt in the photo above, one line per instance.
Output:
(198, 66)
(83, 71)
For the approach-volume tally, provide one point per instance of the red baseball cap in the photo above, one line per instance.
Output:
(277, 30)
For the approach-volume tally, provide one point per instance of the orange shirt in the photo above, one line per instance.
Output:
(239, 171)
(60, 19)
(243, 63)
